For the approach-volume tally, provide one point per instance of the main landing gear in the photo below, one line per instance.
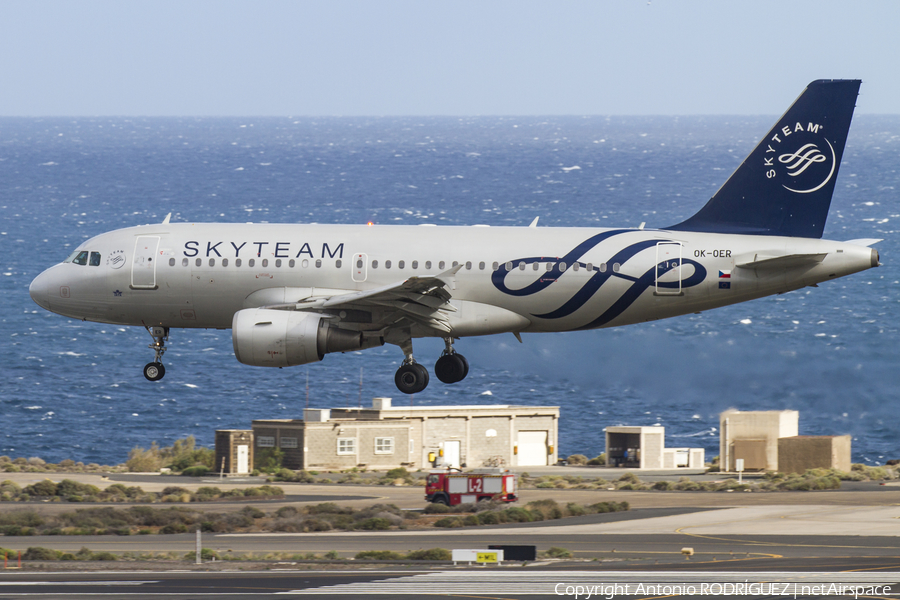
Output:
(155, 371)
(412, 378)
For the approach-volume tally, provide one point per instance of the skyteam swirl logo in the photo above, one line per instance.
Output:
(599, 277)
(809, 165)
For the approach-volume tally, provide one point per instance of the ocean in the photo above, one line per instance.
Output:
(75, 390)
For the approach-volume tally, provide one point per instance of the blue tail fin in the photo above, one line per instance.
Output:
(784, 187)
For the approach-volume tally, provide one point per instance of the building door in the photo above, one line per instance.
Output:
(532, 448)
(143, 265)
(451, 453)
(243, 459)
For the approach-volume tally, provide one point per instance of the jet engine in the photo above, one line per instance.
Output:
(264, 337)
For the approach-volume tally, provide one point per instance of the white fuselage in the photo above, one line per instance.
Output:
(510, 278)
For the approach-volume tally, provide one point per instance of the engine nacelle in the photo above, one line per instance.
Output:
(280, 338)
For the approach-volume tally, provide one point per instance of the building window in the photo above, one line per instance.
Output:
(288, 442)
(346, 446)
(265, 441)
(384, 445)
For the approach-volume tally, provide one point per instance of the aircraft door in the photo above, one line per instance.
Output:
(360, 267)
(668, 269)
(143, 265)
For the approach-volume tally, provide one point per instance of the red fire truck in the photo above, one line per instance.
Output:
(452, 487)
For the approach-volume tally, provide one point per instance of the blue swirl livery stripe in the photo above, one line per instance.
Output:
(638, 285)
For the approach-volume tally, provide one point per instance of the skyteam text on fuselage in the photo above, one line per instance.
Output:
(293, 293)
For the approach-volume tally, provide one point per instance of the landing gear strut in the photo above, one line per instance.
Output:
(411, 377)
(451, 367)
(155, 371)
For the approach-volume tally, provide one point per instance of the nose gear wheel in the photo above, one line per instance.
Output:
(155, 370)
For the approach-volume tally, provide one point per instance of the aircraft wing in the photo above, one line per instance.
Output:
(421, 300)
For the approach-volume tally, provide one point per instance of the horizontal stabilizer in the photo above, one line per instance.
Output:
(864, 242)
(761, 260)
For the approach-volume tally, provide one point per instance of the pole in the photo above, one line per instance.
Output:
(359, 399)
(198, 560)
(307, 387)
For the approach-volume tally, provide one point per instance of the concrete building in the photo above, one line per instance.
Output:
(234, 451)
(645, 448)
(386, 436)
(753, 436)
(803, 452)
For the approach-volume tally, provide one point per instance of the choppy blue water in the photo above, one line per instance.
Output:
(75, 390)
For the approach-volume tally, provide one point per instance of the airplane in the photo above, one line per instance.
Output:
(292, 293)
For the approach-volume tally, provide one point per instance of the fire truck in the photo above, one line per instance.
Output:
(453, 487)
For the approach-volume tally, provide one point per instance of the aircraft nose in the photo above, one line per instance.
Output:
(40, 290)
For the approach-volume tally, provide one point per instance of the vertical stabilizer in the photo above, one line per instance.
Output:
(784, 187)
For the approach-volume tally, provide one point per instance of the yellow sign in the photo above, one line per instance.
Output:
(486, 557)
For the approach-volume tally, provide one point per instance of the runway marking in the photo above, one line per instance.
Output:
(766, 543)
(514, 582)
(18, 583)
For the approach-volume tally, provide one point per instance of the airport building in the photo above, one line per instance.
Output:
(769, 440)
(645, 448)
(384, 436)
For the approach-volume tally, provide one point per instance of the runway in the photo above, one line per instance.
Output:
(494, 583)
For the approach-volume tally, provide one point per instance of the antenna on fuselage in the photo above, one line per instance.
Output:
(534, 223)
(166, 220)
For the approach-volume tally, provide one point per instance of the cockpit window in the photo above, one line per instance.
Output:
(81, 258)
(95, 259)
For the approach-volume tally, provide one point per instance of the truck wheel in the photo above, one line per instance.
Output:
(440, 500)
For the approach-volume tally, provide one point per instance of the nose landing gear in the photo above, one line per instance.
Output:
(155, 370)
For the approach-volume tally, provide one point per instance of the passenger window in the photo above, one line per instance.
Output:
(495, 266)
(428, 264)
(337, 263)
(509, 266)
(415, 264)
(536, 266)
(171, 262)
(401, 264)
(291, 263)
(522, 265)
(469, 265)
(589, 267)
(387, 264)
(359, 263)
(481, 266)
(237, 262)
(82, 258)
(251, 262)
(603, 267)
(374, 264)
(305, 263)
(549, 266)
(198, 262)
(455, 264)
(277, 262)
(184, 262)
(212, 262)
(441, 265)
(265, 262)
(562, 266)
(616, 267)
(95, 259)
(318, 263)
(224, 262)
